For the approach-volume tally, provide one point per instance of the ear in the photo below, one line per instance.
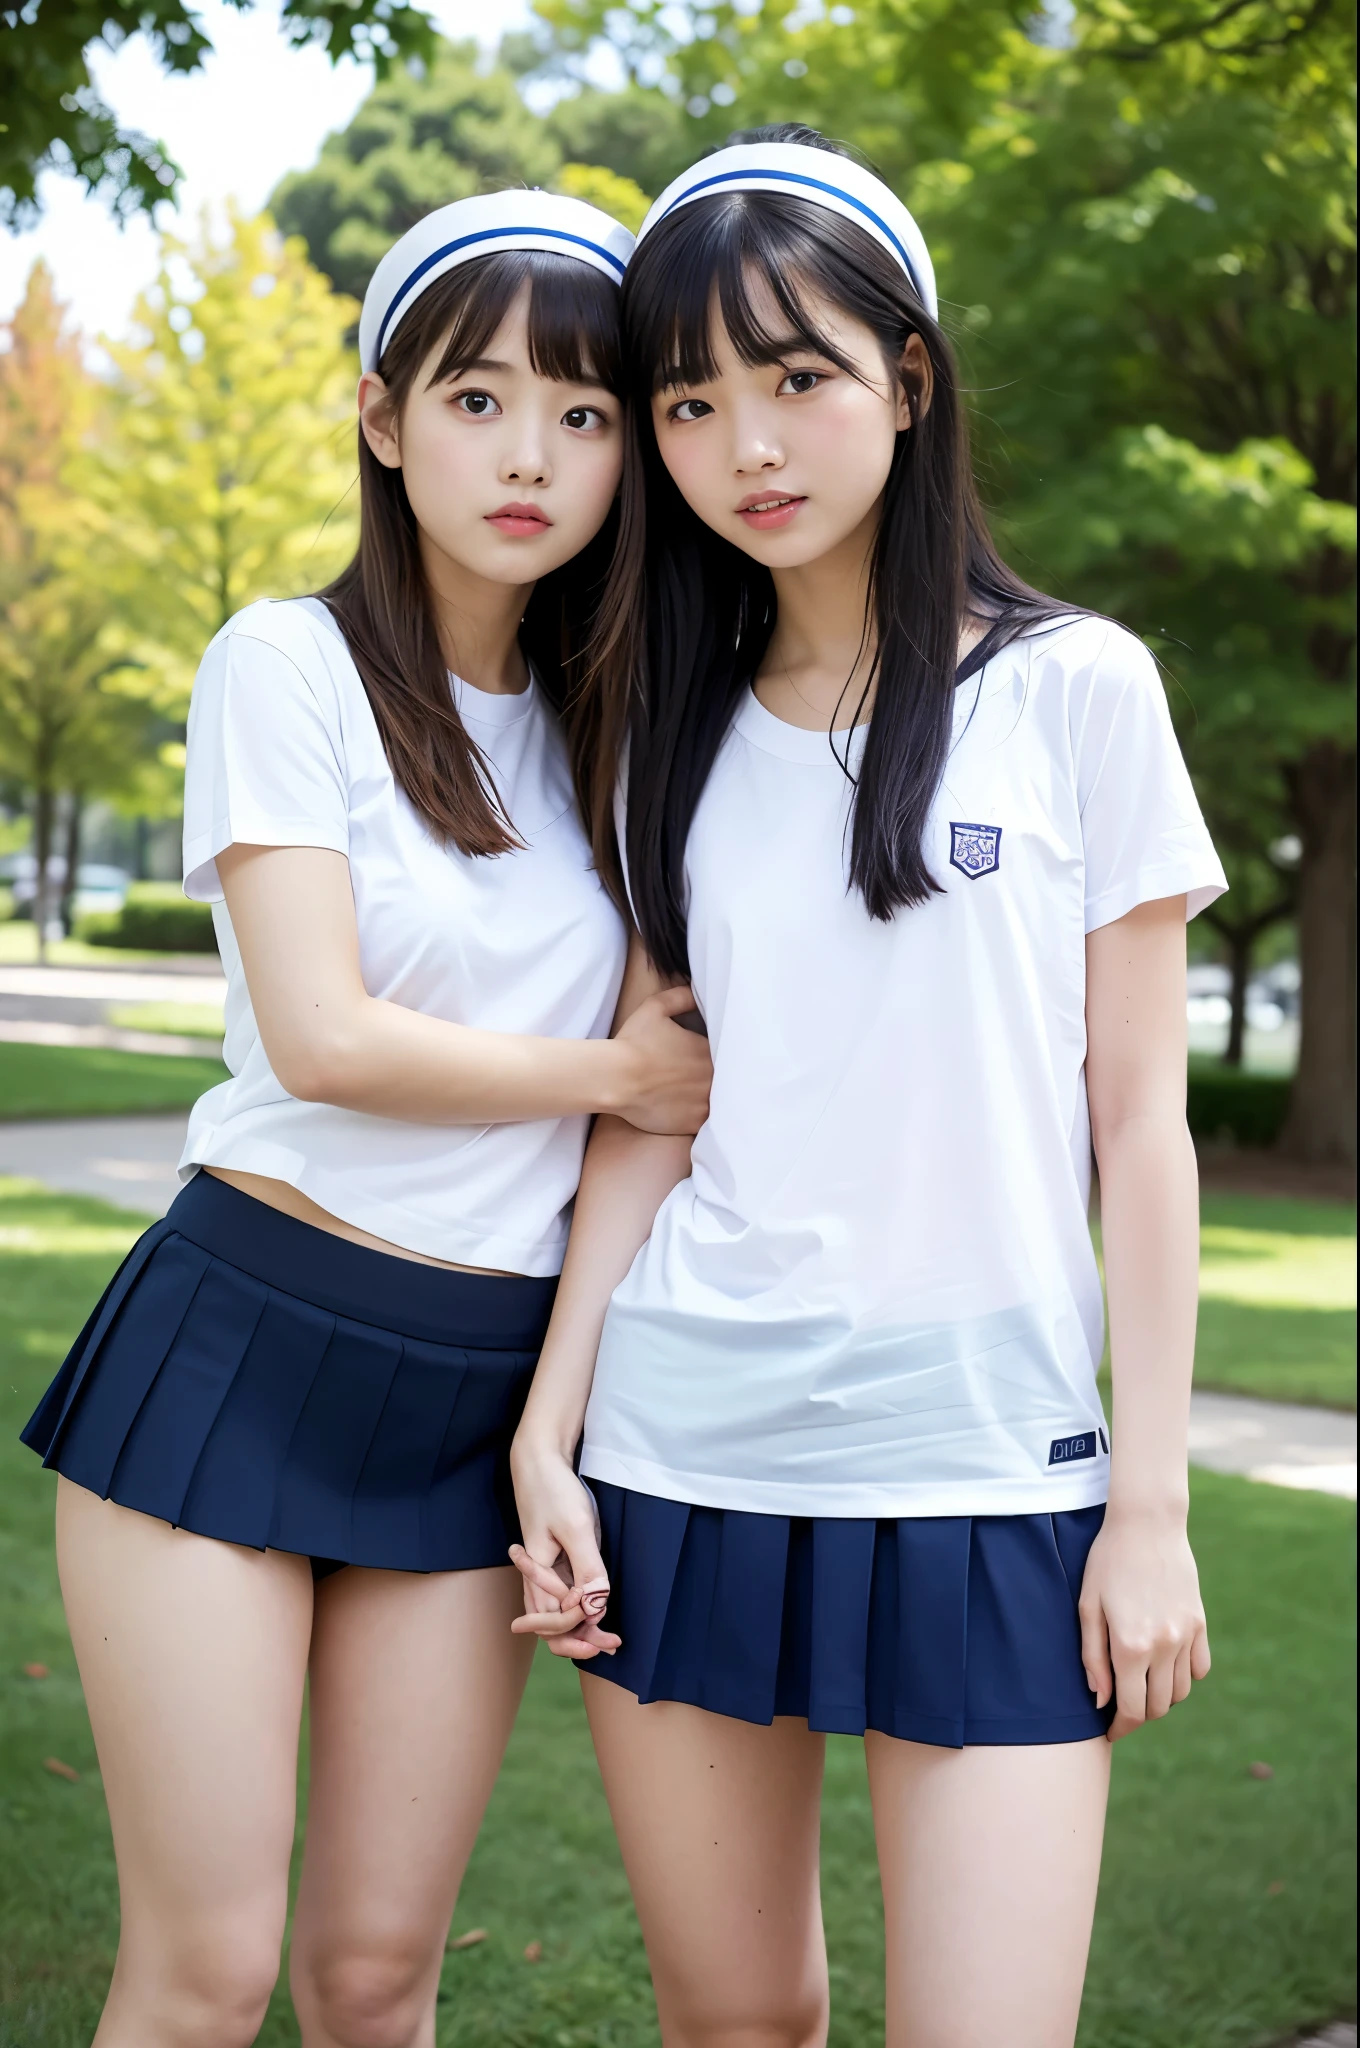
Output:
(377, 420)
(917, 384)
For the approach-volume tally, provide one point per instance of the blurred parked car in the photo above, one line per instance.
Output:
(98, 886)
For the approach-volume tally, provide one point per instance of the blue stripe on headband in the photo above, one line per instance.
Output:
(818, 185)
(486, 235)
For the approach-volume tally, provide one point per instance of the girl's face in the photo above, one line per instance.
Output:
(788, 460)
(509, 474)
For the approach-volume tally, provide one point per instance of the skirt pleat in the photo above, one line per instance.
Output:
(45, 1427)
(332, 1439)
(234, 1492)
(106, 1403)
(946, 1630)
(171, 1428)
(250, 1378)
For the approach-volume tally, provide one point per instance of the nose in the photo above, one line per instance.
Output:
(526, 459)
(756, 448)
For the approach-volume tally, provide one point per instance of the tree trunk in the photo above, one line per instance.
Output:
(1321, 1121)
(68, 893)
(44, 818)
(1241, 944)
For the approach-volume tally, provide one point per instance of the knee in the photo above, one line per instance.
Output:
(368, 1997)
(792, 2023)
(212, 1992)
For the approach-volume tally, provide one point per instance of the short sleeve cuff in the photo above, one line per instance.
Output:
(201, 882)
(1201, 884)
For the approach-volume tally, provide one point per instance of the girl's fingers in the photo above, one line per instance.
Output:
(1180, 1684)
(1161, 1681)
(548, 1623)
(1200, 1660)
(1130, 1689)
(582, 1559)
(592, 1598)
(535, 1574)
(1095, 1653)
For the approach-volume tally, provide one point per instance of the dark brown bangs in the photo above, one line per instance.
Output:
(711, 261)
(573, 317)
(381, 601)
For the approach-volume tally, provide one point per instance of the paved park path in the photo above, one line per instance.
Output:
(130, 1161)
(50, 1005)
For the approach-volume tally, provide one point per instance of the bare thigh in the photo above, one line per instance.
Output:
(192, 1654)
(415, 1683)
(719, 1825)
(990, 1859)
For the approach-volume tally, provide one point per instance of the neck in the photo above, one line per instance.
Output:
(477, 621)
(820, 653)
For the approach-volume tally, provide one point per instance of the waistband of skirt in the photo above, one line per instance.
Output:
(480, 1311)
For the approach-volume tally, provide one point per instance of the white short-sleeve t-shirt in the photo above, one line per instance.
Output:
(283, 750)
(876, 1294)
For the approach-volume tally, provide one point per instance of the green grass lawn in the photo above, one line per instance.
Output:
(69, 1080)
(1227, 1911)
(184, 1020)
(19, 948)
(1277, 1299)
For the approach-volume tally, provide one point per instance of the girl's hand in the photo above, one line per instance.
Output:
(566, 1587)
(1143, 1632)
(666, 1067)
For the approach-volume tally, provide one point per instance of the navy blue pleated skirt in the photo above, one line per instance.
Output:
(942, 1629)
(252, 1378)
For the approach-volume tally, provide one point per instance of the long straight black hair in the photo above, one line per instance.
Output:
(381, 602)
(687, 616)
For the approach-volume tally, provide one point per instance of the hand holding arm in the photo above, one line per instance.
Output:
(328, 1040)
(1144, 1636)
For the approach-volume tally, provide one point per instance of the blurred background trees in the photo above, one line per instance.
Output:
(426, 138)
(54, 115)
(211, 464)
(1143, 218)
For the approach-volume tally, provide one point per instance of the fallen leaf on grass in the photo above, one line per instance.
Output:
(58, 1769)
(36, 1671)
(469, 1940)
(534, 1952)
(1260, 1771)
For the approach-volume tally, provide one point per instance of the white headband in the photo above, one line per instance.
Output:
(485, 226)
(820, 175)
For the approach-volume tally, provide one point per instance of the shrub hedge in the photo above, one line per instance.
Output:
(156, 918)
(1227, 1106)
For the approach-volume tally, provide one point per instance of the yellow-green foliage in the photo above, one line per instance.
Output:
(228, 472)
(618, 196)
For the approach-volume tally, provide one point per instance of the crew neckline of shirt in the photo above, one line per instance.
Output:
(795, 742)
(492, 707)
(803, 743)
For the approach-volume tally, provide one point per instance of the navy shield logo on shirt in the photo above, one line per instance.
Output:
(975, 850)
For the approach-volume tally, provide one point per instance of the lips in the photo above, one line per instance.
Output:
(519, 522)
(766, 509)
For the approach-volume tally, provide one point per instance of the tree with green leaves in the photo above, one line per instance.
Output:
(425, 138)
(53, 115)
(228, 470)
(74, 721)
(1144, 227)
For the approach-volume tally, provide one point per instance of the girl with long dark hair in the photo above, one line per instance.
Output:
(283, 1435)
(924, 842)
